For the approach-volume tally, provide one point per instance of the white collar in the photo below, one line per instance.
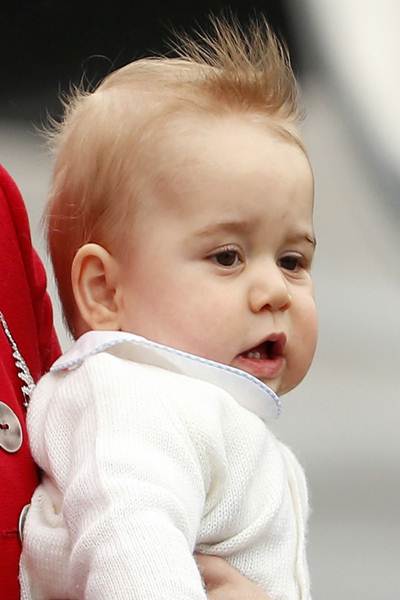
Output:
(251, 393)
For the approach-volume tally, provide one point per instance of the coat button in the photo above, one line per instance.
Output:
(10, 429)
(21, 521)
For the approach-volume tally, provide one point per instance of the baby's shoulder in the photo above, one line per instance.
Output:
(106, 369)
(201, 405)
(205, 409)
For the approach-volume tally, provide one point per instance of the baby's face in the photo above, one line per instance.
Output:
(221, 252)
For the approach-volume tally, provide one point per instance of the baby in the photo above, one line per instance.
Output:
(180, 229)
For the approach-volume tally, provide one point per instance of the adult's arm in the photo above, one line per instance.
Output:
(27, 310)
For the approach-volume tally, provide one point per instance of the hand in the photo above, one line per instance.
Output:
(223, 582)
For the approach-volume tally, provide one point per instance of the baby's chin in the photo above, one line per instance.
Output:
(284, 386)
(274, 386)
(280, 385)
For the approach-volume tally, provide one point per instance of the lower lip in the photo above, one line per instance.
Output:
(262, 368)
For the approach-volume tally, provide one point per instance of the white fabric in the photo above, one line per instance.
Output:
(145, 464)
(249, 391)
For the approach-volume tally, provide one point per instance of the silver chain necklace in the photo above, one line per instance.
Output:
(23, 371)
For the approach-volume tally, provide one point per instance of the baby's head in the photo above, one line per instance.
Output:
(181, 207)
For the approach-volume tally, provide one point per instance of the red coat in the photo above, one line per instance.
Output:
(27, 310)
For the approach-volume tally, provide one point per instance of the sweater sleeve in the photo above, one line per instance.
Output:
(132, 483)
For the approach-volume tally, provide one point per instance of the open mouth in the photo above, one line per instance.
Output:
(265, 361)
(270, 349)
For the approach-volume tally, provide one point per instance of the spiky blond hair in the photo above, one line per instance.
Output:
(100, 143)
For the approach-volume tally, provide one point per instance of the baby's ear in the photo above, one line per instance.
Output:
(94, 276)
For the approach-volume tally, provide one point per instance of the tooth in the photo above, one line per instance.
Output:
(254, 355)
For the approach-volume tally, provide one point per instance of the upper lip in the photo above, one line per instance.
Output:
(274, 344)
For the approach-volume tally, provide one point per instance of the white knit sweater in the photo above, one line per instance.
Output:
(149, 454)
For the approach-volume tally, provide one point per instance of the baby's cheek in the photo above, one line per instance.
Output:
(312, 327)
(308, 343)
(303, 345)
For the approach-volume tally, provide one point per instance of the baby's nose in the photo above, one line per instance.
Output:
(270, 293)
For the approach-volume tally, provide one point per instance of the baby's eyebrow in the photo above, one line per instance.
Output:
(301, 236)
(311, 238)
(245, 226)
(231, 226)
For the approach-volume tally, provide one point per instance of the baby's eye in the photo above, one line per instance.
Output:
(291, 262)
(227, 257)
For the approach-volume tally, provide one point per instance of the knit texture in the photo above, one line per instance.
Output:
(143, 467)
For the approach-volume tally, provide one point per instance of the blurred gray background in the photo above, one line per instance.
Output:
(344, 419)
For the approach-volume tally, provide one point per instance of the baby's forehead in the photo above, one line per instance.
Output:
(187, 141)
(227, 168)
(219, 147)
